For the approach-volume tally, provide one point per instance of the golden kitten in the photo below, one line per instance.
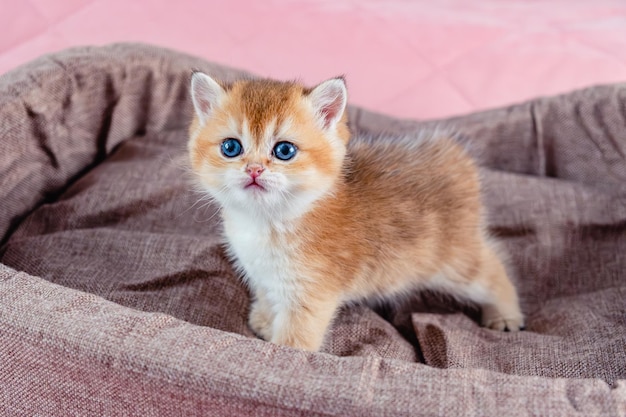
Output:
(313, 220)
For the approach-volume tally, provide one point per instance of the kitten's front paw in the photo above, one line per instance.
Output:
(493, 319)
(260, 321)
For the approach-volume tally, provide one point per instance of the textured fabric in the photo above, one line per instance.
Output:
(126, 305)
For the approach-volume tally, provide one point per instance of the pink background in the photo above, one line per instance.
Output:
(411, 58)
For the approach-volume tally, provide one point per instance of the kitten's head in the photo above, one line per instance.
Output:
(268, 147)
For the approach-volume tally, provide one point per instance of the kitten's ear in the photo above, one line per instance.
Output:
(205, 95)
(329, 101)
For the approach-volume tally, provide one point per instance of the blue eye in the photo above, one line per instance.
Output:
(285, 150)
(231, 148)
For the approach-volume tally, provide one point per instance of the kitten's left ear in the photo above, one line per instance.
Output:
(206, 94)
(329, 101)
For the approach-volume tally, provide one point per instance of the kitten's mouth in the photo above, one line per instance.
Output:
(254, 185)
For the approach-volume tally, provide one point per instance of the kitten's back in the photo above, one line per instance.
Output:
(407, 206)
(430, 168)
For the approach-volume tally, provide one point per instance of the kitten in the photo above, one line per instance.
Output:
(314, 221)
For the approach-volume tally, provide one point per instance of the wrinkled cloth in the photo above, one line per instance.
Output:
(116, 297)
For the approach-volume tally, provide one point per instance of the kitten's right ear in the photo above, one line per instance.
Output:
(205, 95)
(329, 101)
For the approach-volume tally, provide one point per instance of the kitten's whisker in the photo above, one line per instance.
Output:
(188, 209)
(207, 220)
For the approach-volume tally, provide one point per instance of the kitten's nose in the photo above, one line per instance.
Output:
(254, 170)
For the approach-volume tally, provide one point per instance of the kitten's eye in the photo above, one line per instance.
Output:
(285, 150)
(231, 148)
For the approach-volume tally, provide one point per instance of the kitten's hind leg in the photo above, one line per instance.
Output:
(500, 304)
(488, 285)
(501, 310)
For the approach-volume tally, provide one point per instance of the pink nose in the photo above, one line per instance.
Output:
(254, 170)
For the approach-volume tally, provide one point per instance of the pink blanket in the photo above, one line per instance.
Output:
(412, 59)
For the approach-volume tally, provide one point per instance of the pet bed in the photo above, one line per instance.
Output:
(116, 298)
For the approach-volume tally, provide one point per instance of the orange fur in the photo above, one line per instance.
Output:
(353, 219)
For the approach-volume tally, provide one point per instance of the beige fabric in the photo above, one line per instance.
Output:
(126, 305)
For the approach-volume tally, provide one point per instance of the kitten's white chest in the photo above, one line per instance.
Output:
(266, 259)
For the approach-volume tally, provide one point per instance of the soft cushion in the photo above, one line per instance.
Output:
(125, 302)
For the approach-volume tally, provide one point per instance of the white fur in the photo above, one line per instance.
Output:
(461, 289)
(284, 128)
(267, 266)
(268, 136)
